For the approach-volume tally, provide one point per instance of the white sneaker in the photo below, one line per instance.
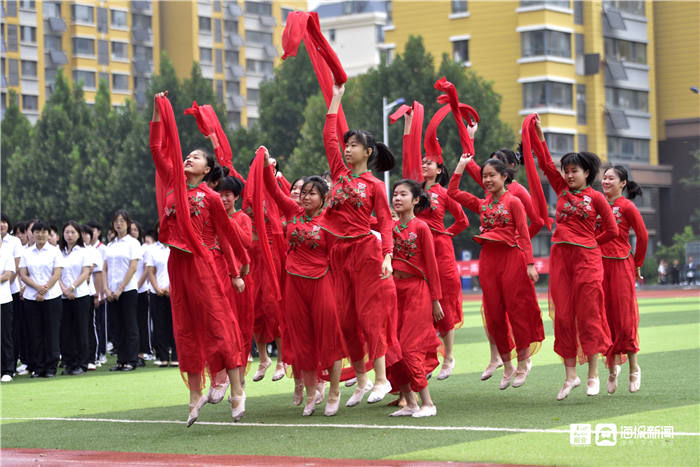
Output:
(636, 380)
(404, 412)
(350, 382)
(22, 373)
(157, 362)
(6, 379)
(22, 367)
(359, 393)
(566, 389)
(380, 391)
(91, 367)
(593, 386)
(612, 380)
(426, 411)
(103, 359)
(446, 370)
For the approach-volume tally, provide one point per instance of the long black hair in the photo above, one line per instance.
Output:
(63, 246)
(317, 182)
(417, 192)
(584, 159)
(215, 173)
(381, 158)
(632, 187)
(501, 168)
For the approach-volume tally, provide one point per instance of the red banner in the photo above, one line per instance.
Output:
(471, 268)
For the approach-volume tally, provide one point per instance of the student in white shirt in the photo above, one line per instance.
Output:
(40, 269)
(75, 324)
(157, 271)
(7, 272)
(99, 279)
(121, 261)
(143, 288)
(10, 325)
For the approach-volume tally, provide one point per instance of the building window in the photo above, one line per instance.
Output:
(547, 94)
(12, 42)
(118, 19)
(627, 99)
(205, 55)
(459, 6)
(285, 13)
(204, 25)
(219, 63)
(120, 82)
(232, 57)
(103, 52)
(217, 30)
(582, 142)
(387, 56)
(545, 42)
(389, 13)
(545, 3)
(258, 8)
(27, 4)
(234, 119)
(102, 20)
(628, 51)
(51, 10)
(578, 11)
(11, 8)
(52, 43)
(252, 122)
(231, 26)
(628, 149)
(30, 102)
(460, 51)
(141, 22)
(143, 53)
(220, 90)
(87, 77)
(83, 46)
(252, 95)
(258, 37)
(28, 34)
(103, 77)
(82, 14)
(217, 5)
(579, 44)
(634, 7)
(380, 33)
(331, 35)
(259, 66)
(581, 104)
(13, 69)
(233, 87)
(120, 51)
(559, 143)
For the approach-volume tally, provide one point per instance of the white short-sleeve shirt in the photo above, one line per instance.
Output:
(40, 265)
(157, 257)
(97, 262)
(7, 263)
(118, 255)
(14, 244)
(146, 286)
(73, 264)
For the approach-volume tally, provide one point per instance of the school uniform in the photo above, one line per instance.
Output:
(118, 256)
(143, 306)
(619, 276)
(75, 322)
(512, 315)
(7, 352)
(355, 257)
(44, 316)
(19, 328)
(96, 262)
(101, 313)
(576, 267)
(163, 338)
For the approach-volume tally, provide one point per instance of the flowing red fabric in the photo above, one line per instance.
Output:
(305, 26)
(412, 160)
(467, 143)
(209, 126)
(171, 149)
(254, 196)
(433, 151)
(531, 141)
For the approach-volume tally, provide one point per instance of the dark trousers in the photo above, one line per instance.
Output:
(7, 351)
(101, 328)
(163, 339)
(124, 311)
(44, 334)
(92, 332)
(75, 330)
(20, 329)
(144, 324)
(112, 331)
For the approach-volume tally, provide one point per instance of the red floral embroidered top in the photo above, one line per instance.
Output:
(245, 227)
(208, 216)
(414, 253)
(353, 197)
(502, 220)
(627, 217)
(307, 254)
(434, 216)
(577, 210)
(517, 190)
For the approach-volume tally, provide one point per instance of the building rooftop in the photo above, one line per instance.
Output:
(350, 7)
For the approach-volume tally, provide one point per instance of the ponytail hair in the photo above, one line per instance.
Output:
(632, 187)
(417, 192)
(508, 157)
(216, 173)
(381, 158)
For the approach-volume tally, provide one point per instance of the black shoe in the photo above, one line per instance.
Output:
(117, 367)
(127, 367)
(140, 362)
(35, 375)
(67, 371)
(77, 372)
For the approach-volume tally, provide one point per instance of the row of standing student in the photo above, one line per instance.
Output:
(57, 308)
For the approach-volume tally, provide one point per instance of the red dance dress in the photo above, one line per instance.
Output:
(450, 282)
(244, 301)
(576, 267)
(311, 314)
(205, 328)
(509, 296)
(355, 257)
(619, 274)
(417, 286)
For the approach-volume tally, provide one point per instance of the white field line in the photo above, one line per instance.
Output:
(309, 425)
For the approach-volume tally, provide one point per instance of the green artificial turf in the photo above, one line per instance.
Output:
(669, 358)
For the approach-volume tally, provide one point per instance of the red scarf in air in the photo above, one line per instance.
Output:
(532, 142)
(451, 97)
(433, 151)
(412, 161)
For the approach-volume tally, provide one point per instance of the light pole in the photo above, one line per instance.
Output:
(386, 108)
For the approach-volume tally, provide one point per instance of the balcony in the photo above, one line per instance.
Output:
(234, 102)
(627, 123)
(142, 66)
(57, 58)
(270, 51)
(141, 35)
(234, 41)
(624, 26)
(141, 6)
(56, 25)
(267, 21)
(626, 75)
(233, 10)
(234, 71)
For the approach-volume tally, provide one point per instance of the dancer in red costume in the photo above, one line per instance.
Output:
(620, 269)
(435, 176)
(506, 268)
(357, 261)
(206, 331)
(418, 292)
(310, 308)
(576, 265)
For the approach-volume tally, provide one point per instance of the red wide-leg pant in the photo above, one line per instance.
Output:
(265, 304)
(621, 307)
(576, 290)
(451, 301)
(509, 298)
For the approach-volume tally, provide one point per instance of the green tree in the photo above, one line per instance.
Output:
(677, 249)
(15, 135)
(309, 157)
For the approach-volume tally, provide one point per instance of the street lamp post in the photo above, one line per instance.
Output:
(386, 108)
